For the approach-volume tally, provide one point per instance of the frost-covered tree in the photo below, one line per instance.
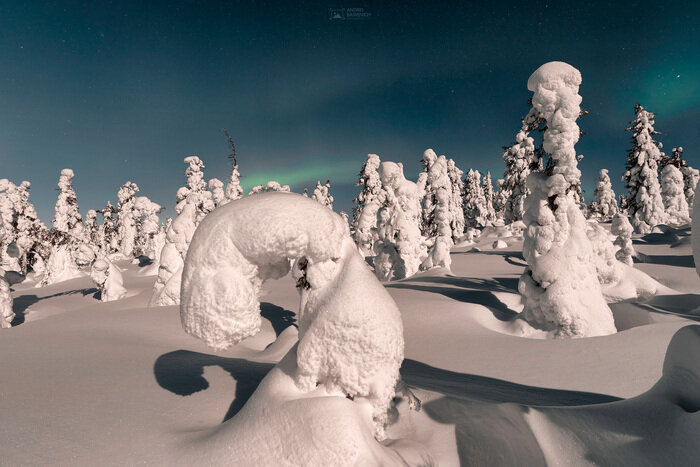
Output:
(457, 214)
(21, 226)
(690, 175)
(489, 196)
(91, 226)
(604, 207)
(67, 217)
(644, 203)
(364, 214)
(344, 345)
(429, 188)
(560, 287)
(272, 185)
(108, 279)
(500, 199)
(622, 228)
(107, 233)
(439, 252)
(61, 264)
(6, 313)
(436, 215)
(322, 194)
(127, 220)
(195, 192)
(604, 254)
(148, 227)
(521, 160)
(475, 209)
(399, 247)
(234, 190)
(216, 187)
(673, 196)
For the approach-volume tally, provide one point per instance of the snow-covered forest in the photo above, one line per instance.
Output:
(449, 319)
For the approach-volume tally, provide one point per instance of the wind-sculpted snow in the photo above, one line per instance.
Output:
(350, 330)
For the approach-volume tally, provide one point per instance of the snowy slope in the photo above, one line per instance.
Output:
(91, 383)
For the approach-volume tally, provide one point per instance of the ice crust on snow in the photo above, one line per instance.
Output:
(349, 342)
(560, 286)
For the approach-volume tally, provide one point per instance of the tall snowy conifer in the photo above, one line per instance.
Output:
(560, 285)
(322, 194)
(234, 190)
(457, 214)
(475, 210)
(487, 189)
(126, 221)
(644, 202)
(67, 217)
(605, 205)
(520, 159)
(364, 214)
(673, 196)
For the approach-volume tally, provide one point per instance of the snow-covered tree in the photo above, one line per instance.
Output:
(344, 344)
(127, 220)
(644, 203)
(60, 265)
(148, 226)
(605, 206)
(690, 175)
(21, 226)
(399, 247)
(364, 214)
(429, 189)
(521, 160)
(475, 209)
(234, 190)
(107, 233)
(6, 313)
(500, 200)
(489, 196)
(560, 286)
(457, 214)
(436, 215)
(108, 279)
(604, 253)
(195, 191)
(67, 218)
(272, 185)
(322, 194)
(622, 228)
(216, 187)
(673, 196)
(439, 252)
(91, 226)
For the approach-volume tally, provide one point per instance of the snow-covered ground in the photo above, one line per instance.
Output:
(86, 382)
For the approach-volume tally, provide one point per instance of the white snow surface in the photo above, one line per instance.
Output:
(127, 386)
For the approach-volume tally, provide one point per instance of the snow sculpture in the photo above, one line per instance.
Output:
(673, 196)
(644, 203)
(605, 205)
(67, 218)
(399, 248)
(364, 214)
(322, 194)
(623, 229)
(351, 343)
(560, 286)
(108, 279)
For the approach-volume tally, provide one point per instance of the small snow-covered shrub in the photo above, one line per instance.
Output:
(604, 255)
(350, 330)
(108, 279)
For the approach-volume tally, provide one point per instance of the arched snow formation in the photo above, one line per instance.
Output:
(350, 329)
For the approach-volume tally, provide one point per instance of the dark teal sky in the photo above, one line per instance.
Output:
(125, 90)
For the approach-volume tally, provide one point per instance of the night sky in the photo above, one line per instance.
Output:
(123, 91)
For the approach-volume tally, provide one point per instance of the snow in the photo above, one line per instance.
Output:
(673, 195)
(122, 374)
(350, 343)
(560, 287)
(696, 235)
(60, 266)
(108, 279)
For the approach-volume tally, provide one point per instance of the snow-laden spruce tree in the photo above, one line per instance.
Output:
(91, 226)
(107, 233)
(350, 330)
(30, 231)
(148, 227)
(127, 220)
(622, 228)
(673, 196)
(399, 247)
(429, 189)
(322, 194)
(690, 175)
(605, 205)
(6, 312)
(604, 253)
(436, 216)
(489, 196)
(520, 159)
(67, 218)
(364, 214)
(457, 218)
(500, 199)
(108, 279)
(644, 203)
(195, 191)
(474, 205)
(13, 204)
(61, 264)
(439, 251)
(272, 185)
(560, 286)
(218, 195)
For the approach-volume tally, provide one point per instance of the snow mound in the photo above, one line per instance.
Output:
(349, 342)
(499, 244)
